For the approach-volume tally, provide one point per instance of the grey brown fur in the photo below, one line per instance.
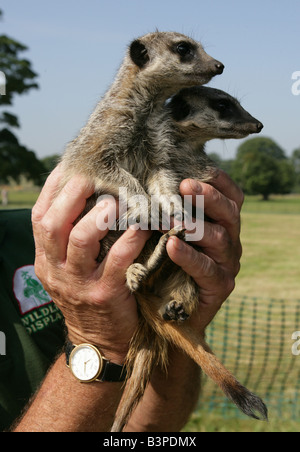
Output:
(128, 142)
(110, 150)
(164, 292)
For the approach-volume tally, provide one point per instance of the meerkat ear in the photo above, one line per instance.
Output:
(180, 109)
(139, 53)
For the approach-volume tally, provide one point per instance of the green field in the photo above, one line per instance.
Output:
(205, 422)
(257, 346)
(21, 199)
(271, 251)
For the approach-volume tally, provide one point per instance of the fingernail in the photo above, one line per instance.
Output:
(102, 205)
(195, 186)
(177, 243)
(134, 227)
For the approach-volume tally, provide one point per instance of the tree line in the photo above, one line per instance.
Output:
(260, 167)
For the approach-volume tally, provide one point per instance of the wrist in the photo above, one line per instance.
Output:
(110, 351)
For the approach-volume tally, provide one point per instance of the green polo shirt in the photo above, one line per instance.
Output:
(31, 327)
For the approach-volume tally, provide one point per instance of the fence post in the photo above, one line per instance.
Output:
(2, 343)
(2, 84)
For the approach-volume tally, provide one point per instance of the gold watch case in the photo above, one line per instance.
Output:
(86, 363)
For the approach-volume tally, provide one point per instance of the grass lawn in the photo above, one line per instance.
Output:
(21, 199)
(271, 251)
(214, 422)
(257, 347)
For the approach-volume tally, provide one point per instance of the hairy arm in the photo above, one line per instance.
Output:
(64, 405)
(97, 307)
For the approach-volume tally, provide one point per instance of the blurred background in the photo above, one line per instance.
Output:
(56, 61)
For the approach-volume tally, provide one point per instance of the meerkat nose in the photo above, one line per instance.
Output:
(220, 67)
(259, 126)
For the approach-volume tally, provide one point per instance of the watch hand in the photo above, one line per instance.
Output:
(85, 363)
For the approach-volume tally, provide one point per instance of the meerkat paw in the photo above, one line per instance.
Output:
(160, 252)
(135, 275)
(175, 311)
(178, 231)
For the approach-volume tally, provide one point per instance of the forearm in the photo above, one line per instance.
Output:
(169, 399)
(63, 404)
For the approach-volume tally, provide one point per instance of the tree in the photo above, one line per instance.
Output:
(225, 165)
(50, 162)
(261, 167)
(264, 145)
(15, 159)
(295, 159)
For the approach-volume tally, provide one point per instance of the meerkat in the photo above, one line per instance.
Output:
(117, 147)
(165, 294)
(193, 117)
(110, 150)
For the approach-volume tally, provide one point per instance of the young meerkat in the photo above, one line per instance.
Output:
(110, 150)
(165, 294)
(192, 117)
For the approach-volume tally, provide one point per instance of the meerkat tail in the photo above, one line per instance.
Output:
(146, 352)
(134, 390)
(199, 351)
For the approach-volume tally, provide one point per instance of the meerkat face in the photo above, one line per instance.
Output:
(206, 113)
(173, 59)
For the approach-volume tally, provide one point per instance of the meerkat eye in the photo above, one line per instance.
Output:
(184, 49)
(223, 105)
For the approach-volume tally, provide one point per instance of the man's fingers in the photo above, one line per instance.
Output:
(57, 222)
(217, 241)
(199, 266)
(42, 204)
(84, 240)
(47, 194)
(122, 254)
(215, 284)
(207, 274)
(230, 189)
(217, 206)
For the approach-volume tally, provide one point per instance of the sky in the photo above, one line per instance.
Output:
(76, 47)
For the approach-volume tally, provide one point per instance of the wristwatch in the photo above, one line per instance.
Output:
(87, 364)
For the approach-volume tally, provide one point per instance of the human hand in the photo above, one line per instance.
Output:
(216, 267)
(96, 304)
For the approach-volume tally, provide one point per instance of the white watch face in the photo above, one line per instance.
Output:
(86, 362)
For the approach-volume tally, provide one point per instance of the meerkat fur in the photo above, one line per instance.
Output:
(110, 150)
(166, 295)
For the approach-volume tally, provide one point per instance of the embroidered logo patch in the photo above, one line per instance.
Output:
(29, 290)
